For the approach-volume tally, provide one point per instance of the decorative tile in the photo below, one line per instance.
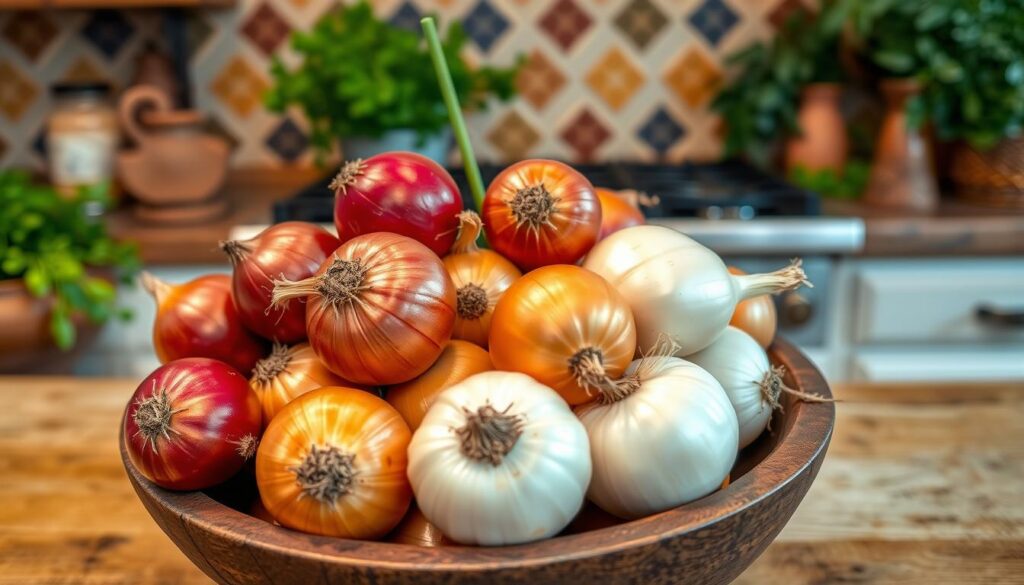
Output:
(485, 25)
(661, 131)
(17, 92)
(288, 141)
(641, 21)
(239, 86)
(539, 80)
(781, 13)
(84, 69)
(585, 134)
(198, 31)
(216, 127)
(713, 20)
(513, 136)
(407, 16)
(30, 32)
(108, 31)
(615, 78)
(266, 29)
(565, 23)
(694, 78)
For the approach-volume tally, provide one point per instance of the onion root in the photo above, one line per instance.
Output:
(325, 474)
(489, 434)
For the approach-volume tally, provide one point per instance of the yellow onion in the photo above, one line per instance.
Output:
(287, 373)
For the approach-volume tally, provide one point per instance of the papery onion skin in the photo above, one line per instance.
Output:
(371, 439)
(756, 316)
(399, 192)
(293, 250)
(416, 530)
(562, 235)
(551, 315)
(459, 360)
(670, 442)
(616, 213)
(287, 373)
(483, 273)
(531, 492)
(212, 424)
(741, 366)
(677, 287)
(199, 319)
(398, 319)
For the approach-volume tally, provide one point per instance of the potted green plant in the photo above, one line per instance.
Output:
(372, 86)
(789, 87)
(56, 269)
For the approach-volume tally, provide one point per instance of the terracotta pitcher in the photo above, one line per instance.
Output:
(822, 142)
(901, 174)
(176, 168)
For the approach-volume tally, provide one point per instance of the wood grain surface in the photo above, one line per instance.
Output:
(922, 484)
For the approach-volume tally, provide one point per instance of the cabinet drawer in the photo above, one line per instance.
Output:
(938, 301)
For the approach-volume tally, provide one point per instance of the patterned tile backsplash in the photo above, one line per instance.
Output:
(603, 79)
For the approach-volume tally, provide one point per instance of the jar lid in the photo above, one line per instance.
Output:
(73, 88)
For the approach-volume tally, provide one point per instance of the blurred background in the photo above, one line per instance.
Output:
(878, 140)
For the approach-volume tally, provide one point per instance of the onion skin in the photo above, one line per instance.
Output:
(459, 360)
(199, 319)
(292, 250)
(563, 236)
(396, 323)
(400, 192)
(300, 372)
(469, 266)
(756, 316)
(214, 416)
(616, 213)
(416, 530)
(553, 313)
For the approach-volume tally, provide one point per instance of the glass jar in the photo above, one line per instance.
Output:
(81, 139)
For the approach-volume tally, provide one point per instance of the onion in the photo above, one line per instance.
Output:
(417, 530)
(379, 310)
(292, 250)
(199, 319)
(616, 213)
(480, 277)
(678, 287)
(756, 316)
(753, 386)
(399, 192)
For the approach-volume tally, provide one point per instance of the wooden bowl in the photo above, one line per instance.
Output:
(711, 540)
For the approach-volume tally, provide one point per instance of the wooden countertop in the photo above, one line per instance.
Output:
(922, 484)
(955, 229)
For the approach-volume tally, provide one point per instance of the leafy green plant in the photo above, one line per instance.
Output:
(361, 76)
(847, 184)
(50, 242)
(760, 105)
(968, 54)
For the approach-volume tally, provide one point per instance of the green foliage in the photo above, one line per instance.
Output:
(968, 54)
(760, 105)
(361, 76)
(49, 241)
(849, 184)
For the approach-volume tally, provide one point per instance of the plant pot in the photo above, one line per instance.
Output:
(435, 147)
(822, 143)
(901, 173)
(26, 345)
(990, 177)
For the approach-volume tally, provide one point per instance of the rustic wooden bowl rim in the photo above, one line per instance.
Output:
(806, 433)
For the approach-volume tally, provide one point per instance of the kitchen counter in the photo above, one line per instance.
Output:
(922, 484)
(954, 229)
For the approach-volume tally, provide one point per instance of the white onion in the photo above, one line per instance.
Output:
(666, 440)
(678, 287)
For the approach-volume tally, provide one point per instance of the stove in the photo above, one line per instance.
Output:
(726, 190)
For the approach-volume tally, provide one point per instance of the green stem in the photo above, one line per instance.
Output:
(451, 101)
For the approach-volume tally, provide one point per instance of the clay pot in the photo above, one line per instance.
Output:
(26, 345)
(901, 173)
(822, 143)
(990, 177)
(176, 169)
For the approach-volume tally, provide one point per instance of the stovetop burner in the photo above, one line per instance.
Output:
(725, 190)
